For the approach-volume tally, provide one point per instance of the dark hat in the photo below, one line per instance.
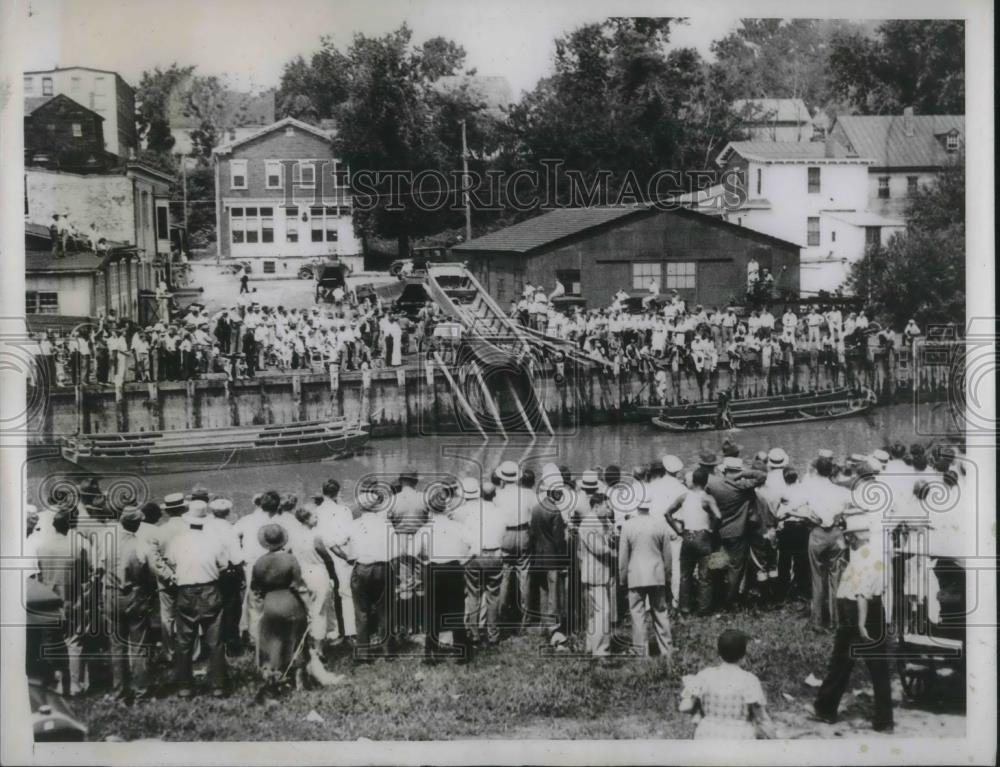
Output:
(408, 477)
(707, 458)
(272, 537)
(199, 493)
(89, 488)
(730, 449)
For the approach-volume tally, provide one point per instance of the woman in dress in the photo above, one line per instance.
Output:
(277, 582)
(728, 702)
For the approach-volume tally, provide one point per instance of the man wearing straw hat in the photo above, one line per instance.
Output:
(515, 503)
(174, 506)
(198, 557)
(644, 569)
(484, 570)
(861, 630)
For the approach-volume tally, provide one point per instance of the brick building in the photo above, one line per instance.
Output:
(103, 91)
(282, 200)
(594, 252)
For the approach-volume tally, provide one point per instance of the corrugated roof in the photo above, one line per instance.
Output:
(547, 228)
(785, 151)
(883, 137)
(773, 110)
(44, 261)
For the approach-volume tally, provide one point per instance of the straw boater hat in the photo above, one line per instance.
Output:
(272, 537)
(470, 488)
(881, 456)
(220, 507)
(707, 458)
(509, 471)
(174, 502)
(589, 480)
(672, 464)
(777, 458)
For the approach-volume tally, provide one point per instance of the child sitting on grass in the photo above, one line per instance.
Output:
(729, 703)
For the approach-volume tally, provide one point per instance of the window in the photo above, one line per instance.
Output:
(873, 236)
(323, 223)
(813, 180)
(77, 130)
(883, 187)
(41, 303)
(162, 223)
(46, 86)
(760, 179)
(643, 272)
(292, 223)
(833, 235)
(570, 280)
(812, 230)
(267, 224)
(238, 174)
(681, 275)
(144, 201)
(951, 142)
(911, 186)
(304, 174)
(272, 170)
(74, 84)
(237, 225)
(29, 86)
(98, 98)
(289, 131)
(252, 230)
(269, 267)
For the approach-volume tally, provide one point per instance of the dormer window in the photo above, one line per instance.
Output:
(289, 131)
(951, 141)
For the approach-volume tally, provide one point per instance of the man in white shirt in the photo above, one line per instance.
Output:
(334, 523)
(484, 572)
(232, 583)
(515, 503)
(198, 558)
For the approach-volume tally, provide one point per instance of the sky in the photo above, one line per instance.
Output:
(249, 41)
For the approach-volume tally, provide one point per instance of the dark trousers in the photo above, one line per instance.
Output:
(231, 591)
(793, 560)
(739, 550)
(250, 352)
(199, 606)
(696, 547)
(847, 647)
(126, 620)
(483, 576)
(445, 588)
(371, 590)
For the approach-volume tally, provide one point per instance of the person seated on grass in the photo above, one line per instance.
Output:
(727, 701)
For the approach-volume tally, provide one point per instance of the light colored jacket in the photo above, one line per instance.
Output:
(644, 552)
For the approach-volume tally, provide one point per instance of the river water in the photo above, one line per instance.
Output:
(624, 444)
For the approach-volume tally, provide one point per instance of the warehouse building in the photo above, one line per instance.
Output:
(594, 252)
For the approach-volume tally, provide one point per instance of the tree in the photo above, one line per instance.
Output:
(311, 91)
(440, 57)
(152, 99)
(216, 110)
(921, 273)
(909, 63)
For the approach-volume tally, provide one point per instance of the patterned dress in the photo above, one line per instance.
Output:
(725, 693)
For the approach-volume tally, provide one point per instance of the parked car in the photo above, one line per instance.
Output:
(329, 277)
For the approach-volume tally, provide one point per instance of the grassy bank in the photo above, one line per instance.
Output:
(518, 690)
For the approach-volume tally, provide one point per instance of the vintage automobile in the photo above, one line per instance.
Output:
(330, 276)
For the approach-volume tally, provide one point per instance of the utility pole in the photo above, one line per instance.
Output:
(465, 192)
(184, 185)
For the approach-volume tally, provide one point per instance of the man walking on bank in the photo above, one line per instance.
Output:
(643, 568)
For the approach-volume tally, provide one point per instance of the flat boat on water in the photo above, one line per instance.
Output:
(167, 452)
(764, 411)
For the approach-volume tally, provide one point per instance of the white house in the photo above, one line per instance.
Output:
(909, 151)
(814, 194)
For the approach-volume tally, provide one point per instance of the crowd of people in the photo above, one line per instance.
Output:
(662, 336)
(569, 556)
(237, 341)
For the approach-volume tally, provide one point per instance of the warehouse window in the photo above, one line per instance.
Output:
(873, 236)
(238, 174)
(29, 86)
(269, 267)
(951, 141)
(681, 275)
(911, 186)
(162, 223)
(570, 280)
(304, 174)
(324, 223)
(813, 180)
(237, 225)
(46, 86)
(812, 230)
(41, 303)
(292, 223)
(883, 187)
(645, 271)
(77, 130)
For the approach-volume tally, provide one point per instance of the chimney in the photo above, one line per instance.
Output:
(908, 122)
(829, 147)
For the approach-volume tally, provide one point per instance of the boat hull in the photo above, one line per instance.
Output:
(768, 412)
(222, 456)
